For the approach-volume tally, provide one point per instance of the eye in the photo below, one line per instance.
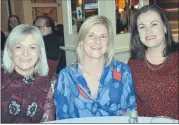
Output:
(154, 24)
(104, 36)
(33, 47)
(18, 46)
(90, 35)
(141, 27)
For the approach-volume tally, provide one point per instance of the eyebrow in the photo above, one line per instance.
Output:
(154, 21)
(30, 44)
(150, 22)
(94, 33)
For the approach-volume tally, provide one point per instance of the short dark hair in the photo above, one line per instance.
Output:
(49, 21)
(138, 48)
(9, 27)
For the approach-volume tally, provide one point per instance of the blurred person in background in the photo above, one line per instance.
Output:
(13, 21)
(52, 41)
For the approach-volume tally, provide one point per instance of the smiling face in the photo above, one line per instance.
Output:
(25, 54)
(151, 29)
(95, 42)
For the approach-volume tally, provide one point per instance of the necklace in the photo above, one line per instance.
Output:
(28, 80)
(155, 68)
(98, 78)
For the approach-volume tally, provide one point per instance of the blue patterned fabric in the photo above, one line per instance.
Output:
(115, 93)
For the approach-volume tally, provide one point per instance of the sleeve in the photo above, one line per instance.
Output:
(62, 95)
(49, 106)
(128, 89)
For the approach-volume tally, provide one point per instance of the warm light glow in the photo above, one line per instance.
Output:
(136, 6)
(120, 4)
(121, 10)
(79, 3)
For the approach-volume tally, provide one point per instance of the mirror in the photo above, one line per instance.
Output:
(125, 12)
(81, 9)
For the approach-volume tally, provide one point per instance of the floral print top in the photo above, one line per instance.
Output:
(115, 93)
(26, 100)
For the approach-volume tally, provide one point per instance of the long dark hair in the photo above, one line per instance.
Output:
(138, 48)
(9, 27)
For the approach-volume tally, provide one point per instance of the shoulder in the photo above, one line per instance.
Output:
(51, 37)
(120, 66)
(132, 61)
(69, 70)
(5, 78)
(173, 59)
(174, 55)
(135, 62)
(45, 82)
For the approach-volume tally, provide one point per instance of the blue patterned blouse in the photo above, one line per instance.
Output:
(115, 93)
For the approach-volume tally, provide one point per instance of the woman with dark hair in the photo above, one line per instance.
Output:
(52, 42)
(154, 64)
(13, 21)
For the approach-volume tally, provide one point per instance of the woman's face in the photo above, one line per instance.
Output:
(151, 29)
(25, 54)
(96, 41)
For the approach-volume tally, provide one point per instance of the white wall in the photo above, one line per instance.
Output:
(106, 8)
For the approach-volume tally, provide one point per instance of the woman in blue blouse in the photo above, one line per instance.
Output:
(96, 85)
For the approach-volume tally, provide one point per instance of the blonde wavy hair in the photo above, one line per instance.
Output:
(86, 26)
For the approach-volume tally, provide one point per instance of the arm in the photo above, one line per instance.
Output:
(128, 91)
(62, 95)
(49, 106)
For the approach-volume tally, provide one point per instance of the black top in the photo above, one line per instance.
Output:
(52, 44)
(3, 40)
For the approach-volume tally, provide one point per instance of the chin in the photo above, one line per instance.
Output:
(25, 67)
(97, 57)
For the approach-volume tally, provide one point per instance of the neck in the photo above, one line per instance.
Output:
(93, 66)
(155, 52)
(155, 55)
(25, 73)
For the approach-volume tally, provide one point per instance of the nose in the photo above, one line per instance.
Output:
(148, 30)
(98, 40)
(25, 52)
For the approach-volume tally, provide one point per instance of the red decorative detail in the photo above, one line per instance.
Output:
(124, 110)
(82, 92)
(74, 67)
(117, 75)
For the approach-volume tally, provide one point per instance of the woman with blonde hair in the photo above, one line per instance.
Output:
(25, 87)
(96, 85)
